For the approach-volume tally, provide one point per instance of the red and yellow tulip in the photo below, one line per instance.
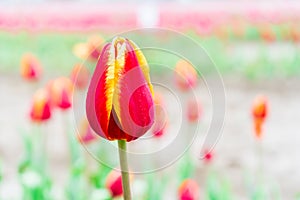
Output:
(30, 67)
(61, 92)
(119, 104)
(41, 106)
(185, 75)
(114, 183)
(259, 113)
(188, 190)
(80, 76)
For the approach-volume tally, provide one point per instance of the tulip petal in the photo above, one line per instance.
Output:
(100, 92)
(132, 97)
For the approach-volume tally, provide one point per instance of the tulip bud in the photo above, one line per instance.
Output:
(30, 67)
(194, 110)
(185, 75)
(119, 104)
(188, 190)
(80, 76)
(41, 109)
(86, 134)
(259, 113)
(61, 92)
(114, 183)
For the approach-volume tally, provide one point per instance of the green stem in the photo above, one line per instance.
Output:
(124, 169)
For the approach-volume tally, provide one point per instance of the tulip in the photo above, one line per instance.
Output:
(30, 67)
(208, 156)
(259, 113)
(114, 183)
(80, 76)
(86, 134)
(119, 99)
(194, 110)
(61, 92)
(119, 104)
(161, 120)
(41, 109)
(185, 75)
(188, 190)
(91, 49)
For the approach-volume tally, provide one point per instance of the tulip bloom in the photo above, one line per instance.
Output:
(185, 75)
(41, 109)
(188, 190)
(30, 67)
(80, 76)
(194, 110)
(61, 92)
(259, 113)
(114, 183)
(119, 104)
(86, 134)
(91, 49)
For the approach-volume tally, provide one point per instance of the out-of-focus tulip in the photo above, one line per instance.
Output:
(41, 108)
(61, 92)
(267, 34)
(188, 190)
(185, 75)
(208, 156)
(86, 134)
(89, 50)
(161, 120)
(194, 110)
(119, 104)
(80, 76)
(259, 113)
(114, 183)
(30, 67)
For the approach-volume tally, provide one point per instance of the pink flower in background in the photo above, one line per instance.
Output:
(161, 119)
(61, 90)
(80, 76)
(30, 67)
(86, 134)
(194, 110)
(188, 190)
(114, 183)
(185, 75)
(41, 107)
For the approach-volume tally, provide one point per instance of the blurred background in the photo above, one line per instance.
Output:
(253, 44)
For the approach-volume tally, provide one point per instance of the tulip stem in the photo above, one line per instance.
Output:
(124, 169)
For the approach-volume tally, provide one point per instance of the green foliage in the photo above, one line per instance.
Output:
(217, 189)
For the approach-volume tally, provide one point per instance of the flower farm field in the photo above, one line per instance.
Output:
(235, 157)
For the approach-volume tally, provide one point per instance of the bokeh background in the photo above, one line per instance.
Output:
(253, 44)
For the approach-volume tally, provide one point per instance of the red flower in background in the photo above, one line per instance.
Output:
(61, 92)
(80, 76)
(30, 67)
(91, 49)
(188, 190)
(86, 134)
(185, 75)
(194, 110)
(41, 108)
(119, 104)
(259, 113)
(114, 183)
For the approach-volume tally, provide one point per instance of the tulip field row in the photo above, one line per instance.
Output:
(254, 60)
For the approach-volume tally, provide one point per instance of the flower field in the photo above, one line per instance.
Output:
(203, 105)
